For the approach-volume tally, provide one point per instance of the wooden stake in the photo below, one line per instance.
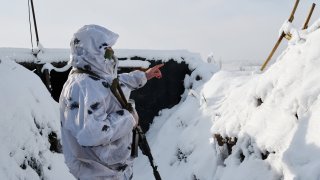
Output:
(273, 50)
(305, 26)
(291, 17)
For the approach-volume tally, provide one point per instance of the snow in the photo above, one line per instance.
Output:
(44, 56)
(134, 63)
(62, 55)
(273, 117)
(192, 59)
(28, 116)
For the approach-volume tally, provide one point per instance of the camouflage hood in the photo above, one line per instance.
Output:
(88, 47)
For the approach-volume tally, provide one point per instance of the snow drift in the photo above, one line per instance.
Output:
(246, 125)
(274, 116)
(29, 122)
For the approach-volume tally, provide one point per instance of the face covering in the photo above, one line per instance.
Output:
(108, 54)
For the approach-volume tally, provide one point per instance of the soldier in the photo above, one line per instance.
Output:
(96, 130)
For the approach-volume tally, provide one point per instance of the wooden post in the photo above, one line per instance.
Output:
(305, 26)
(291, 17)
(273, 50)
(35, 22)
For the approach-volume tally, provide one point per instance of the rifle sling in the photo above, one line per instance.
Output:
(83, 71)
(118, 93)
(115, 88)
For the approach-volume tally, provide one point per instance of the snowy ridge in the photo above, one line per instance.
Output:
(62, 55)
(28, 116)
(274, 116)
(268, 123)
(44, 56)
(192, 59)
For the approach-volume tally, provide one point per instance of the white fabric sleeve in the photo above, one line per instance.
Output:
(133, 80)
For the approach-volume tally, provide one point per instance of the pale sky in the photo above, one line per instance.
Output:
(230, 29)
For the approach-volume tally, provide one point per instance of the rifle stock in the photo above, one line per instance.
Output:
(145, 148)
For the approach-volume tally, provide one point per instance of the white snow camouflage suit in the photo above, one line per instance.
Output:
(96, 131)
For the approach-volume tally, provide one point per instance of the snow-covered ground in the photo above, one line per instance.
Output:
(274, 117)
(271, 118)
(28, 116)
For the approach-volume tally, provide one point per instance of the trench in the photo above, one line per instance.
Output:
(156, 95)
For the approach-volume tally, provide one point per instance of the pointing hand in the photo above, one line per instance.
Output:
(154, 72)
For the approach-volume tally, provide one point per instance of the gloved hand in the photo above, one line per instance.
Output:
(135, 116)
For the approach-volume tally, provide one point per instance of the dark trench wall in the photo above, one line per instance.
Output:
(162, 93)
(156, 95)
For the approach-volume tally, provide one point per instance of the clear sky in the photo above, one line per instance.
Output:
(230, 29)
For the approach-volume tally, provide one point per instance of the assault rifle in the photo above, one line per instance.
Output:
(138, 139)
